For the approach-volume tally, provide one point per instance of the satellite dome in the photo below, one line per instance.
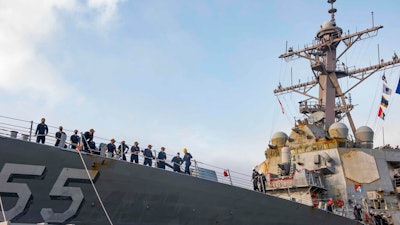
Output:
(329, 28)
(364, 134)
(338, 130)
(279, 139)
(326, 25)
(365, 137)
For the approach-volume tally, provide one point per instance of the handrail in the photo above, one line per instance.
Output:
(24, 129)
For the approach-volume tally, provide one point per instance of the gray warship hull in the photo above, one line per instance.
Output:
(47, 184)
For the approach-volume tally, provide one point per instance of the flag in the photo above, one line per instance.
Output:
(384, 78)
(381, 114)
(386, 90)
(226, 174)
(398, 87)
(358, 187)
(280, 103)
(384, 102)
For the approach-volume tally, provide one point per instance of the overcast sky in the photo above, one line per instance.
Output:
(194, 74)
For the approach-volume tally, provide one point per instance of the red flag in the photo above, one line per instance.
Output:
(381, 114)
(280, 103)
(358, 187)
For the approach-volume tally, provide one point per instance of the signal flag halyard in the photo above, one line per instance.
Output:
(280, 103)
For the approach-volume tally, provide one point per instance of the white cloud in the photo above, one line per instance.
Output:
(23, 26)
(105, 8)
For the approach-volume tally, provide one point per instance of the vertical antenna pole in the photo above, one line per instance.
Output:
(379, 55)
(230, 178)
(30, 131)
(286, 47)
(291, 76)
(372, 15)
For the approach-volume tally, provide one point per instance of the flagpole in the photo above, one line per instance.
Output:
(383, 135)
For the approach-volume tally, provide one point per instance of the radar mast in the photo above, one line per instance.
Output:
(324, 57)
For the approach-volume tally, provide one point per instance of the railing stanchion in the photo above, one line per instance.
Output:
(30, 131)
(196, 168)
(229, 175)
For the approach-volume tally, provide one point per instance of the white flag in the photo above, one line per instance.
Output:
(386, 90)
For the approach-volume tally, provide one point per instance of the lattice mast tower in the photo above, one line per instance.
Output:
(324, 60)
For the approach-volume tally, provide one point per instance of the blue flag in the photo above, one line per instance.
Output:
(384, 102)
(398, 87)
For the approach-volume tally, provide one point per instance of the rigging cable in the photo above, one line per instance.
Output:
(380, 123)
(373, 102)
(275, 109)
(94, 187)
(2, 210)
(274, 112)
(290, 109)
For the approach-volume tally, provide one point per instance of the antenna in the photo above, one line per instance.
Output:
(291, 75)
(379, 55)
(286, 47)
(332, 11)
(372, 15)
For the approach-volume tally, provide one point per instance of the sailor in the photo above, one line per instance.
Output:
(186, 158)
(148, 156)
(385, 220)
(75, 139)
(357, 211)
(60, 138)
(93, 148)
(377, 218)
(254, 178)
(41, 131)
(135, 150)
(262, 180)
(161, 158)
(86, 139)
(123, 149)
(110, 148)
(330, 205)
(177, 161)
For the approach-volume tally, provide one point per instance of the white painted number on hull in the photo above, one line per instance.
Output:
(59, 190)
(22, 190)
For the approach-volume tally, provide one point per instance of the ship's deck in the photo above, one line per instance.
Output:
(24, 130)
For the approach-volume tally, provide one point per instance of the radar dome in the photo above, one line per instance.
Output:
(326, 25)
(364, 133)
(279, 139)
(338, 130)
(365, 136)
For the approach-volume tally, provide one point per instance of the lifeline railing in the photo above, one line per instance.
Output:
(24, 130)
